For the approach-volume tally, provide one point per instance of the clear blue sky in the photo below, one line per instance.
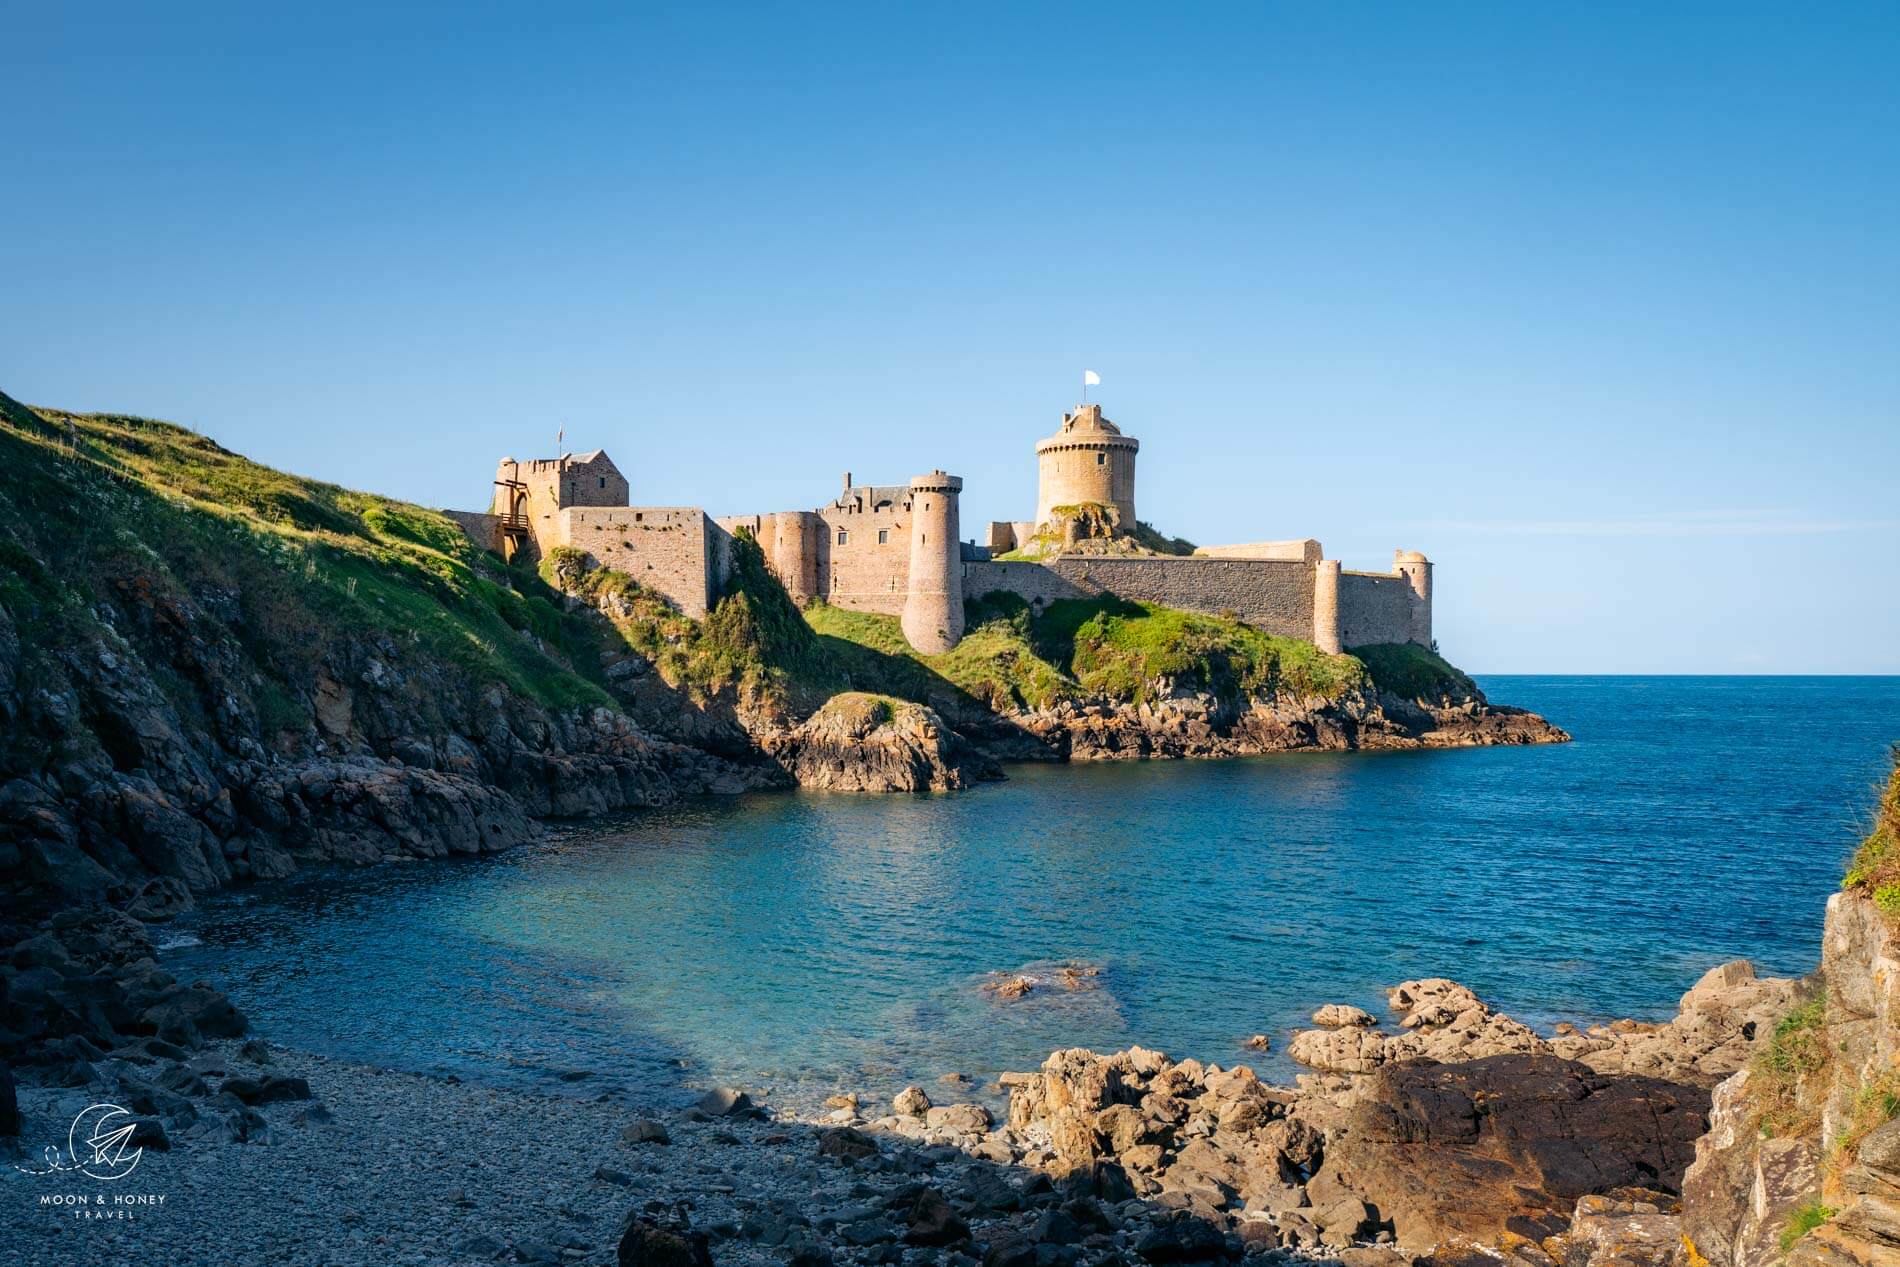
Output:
(1598, 305)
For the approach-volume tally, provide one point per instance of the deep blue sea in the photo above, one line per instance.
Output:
(802, 941)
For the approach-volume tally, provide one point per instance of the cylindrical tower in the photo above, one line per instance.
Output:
(794, 556)
(933, 602)
(1088, 461)
(1326, 606)
(1417, 571)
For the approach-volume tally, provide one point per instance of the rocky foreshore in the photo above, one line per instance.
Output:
(1464, 1129)
(1193, 724)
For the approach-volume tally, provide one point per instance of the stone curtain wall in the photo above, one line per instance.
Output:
(1374, 607)
(1031, 582)
(1274, 596)
(670, 549)
(483, 529)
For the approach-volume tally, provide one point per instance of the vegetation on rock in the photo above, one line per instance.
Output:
(1789, 1066)
(1095, 528)
(1875, 869)
(753, 640)
(104, 507)
(1414, 673)
(1014, 658)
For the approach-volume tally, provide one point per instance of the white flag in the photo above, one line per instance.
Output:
(1091, 379)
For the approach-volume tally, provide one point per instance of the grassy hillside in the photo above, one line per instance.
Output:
(1875, 870)
(151, 526)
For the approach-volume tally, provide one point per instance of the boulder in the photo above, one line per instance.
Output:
(645, 1131)
(725, 1102)
(931, 1221)
(1503, 1144)
(1339, 1015)
(963, 1119)
(910, 1102)
(874, 743)
(647, 1243)
(846, 1144)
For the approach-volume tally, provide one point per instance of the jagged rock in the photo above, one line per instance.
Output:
(1630, 1227)
(1720, 1019)
(1752, 1173)
(873, 743)
(932, 1221)
(1181, 1238)
(1718, 1022)
(1503, 1144)
(845, 1143)
(1338, 1015)
(910, 1102)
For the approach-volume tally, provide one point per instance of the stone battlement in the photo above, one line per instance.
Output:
(896, 549)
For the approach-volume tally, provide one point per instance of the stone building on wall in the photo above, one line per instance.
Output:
(896, 549)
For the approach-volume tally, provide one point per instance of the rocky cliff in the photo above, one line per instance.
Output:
(1802, 1158)
(211, 671)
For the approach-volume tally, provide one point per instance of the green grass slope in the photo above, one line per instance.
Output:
(104, 513)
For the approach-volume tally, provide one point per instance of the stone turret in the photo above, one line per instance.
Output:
(1326, 606)
(1088, 461)
(933, 602)
(1417, 571)
(795, 553)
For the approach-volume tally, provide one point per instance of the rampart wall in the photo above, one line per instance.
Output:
(671, 549)
(1031, 582)
(1273, 595)
(1374, 607)
(482, 528)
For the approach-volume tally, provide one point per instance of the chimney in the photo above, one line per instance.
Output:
(847, 481)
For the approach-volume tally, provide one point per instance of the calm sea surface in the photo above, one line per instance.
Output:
(807, 941)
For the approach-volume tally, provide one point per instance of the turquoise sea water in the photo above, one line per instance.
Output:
(807, 941)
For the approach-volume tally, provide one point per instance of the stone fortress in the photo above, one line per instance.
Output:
(897, 549)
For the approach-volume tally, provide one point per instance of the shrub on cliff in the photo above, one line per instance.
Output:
(1414, 673)
(1875, 869)
(753, 639)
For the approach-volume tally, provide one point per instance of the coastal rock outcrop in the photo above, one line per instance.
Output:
(859, 742)
(1424, 1154)
(1802, 1159)
(1723, 1017)
(1191, 723)
(83, 986)
(1503, 1144)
